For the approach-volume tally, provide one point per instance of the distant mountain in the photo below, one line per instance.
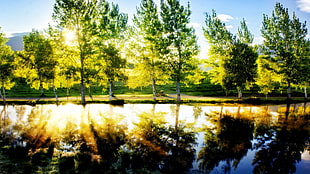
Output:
(16, 41)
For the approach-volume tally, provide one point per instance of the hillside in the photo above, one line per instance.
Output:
(16, 41)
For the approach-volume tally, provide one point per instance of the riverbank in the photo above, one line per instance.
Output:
(171, 98)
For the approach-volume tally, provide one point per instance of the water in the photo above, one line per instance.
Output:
(161, 138)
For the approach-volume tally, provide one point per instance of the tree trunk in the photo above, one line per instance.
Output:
(89, 93)
(239, 92)
(110, 90)
(67, 93)
(83, 92)
(289, 94)
(41, 90)
(55, 93)
(178, 90)
(83, 100)
(3, 94)
(305, 91)
(154, 88)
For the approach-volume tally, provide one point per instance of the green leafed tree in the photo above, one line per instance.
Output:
(109, 27)
(6, 67)
(267, 77)
(77, 16)
(284, 37)
(219, 38)
(65, 73)
(36, 63)
(304, 68)
(239, 67)
(148, 33)
(112, 67)
(232, 59)
(179, 43)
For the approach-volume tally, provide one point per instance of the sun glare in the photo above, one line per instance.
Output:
(70, 37)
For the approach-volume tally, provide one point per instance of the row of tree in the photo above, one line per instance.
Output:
(283, 58)
(159, 48)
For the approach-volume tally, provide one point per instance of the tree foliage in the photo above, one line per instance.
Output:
(267, 78)
(6, 66)
(179, 42)
(284, 39)
(36, 63)
(109, 28)
(76, 16)
(148, 34)
(232, 59)
(239, 67)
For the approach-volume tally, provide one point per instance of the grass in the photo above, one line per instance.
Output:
(23, 94)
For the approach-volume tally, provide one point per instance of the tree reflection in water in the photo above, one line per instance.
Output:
(54, 140)
(227, 141)
(100, 139)
(157, 146)
(279, 146)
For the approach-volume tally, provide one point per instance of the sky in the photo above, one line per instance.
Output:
(19, 16)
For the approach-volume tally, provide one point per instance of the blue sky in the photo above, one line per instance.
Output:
(25, 15)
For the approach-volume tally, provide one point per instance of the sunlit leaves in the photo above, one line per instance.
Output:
(267, 76)
(37, 61)
(6, 64)
(231, 58)
(179, 44)
(285, 37)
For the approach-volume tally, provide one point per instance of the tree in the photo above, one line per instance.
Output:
(240, 67)
(112, 66)
(283, 40)
(304, 68)
(109, 27)
(240, 63)
(76, 16)
(6, 66)
(179, 44)
(36, 63)
(148, 32)
(243, 34)
(219, 39)
(232, 58)
(267, 78)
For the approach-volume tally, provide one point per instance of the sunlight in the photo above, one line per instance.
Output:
(70, 37)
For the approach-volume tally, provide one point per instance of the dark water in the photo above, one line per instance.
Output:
(161, 138)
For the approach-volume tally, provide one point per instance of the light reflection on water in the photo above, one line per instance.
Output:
(163, 138)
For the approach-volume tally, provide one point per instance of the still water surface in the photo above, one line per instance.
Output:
(161, 138)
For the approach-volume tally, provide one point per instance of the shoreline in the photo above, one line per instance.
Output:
(148, 99)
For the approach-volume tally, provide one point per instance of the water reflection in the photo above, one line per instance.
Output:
(228, 140)
(160, 138)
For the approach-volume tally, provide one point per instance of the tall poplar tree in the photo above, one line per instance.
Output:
(240, 63)
(284, 37)
(179, 42)
(240, 67)
(304, 68)
(36, 63)
(77, 16)
(220, 39)
(64, 55)
(109, 27)
(6, 66)
(149, 34)
(232, 58)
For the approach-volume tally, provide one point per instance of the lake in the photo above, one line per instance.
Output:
(155, 138)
